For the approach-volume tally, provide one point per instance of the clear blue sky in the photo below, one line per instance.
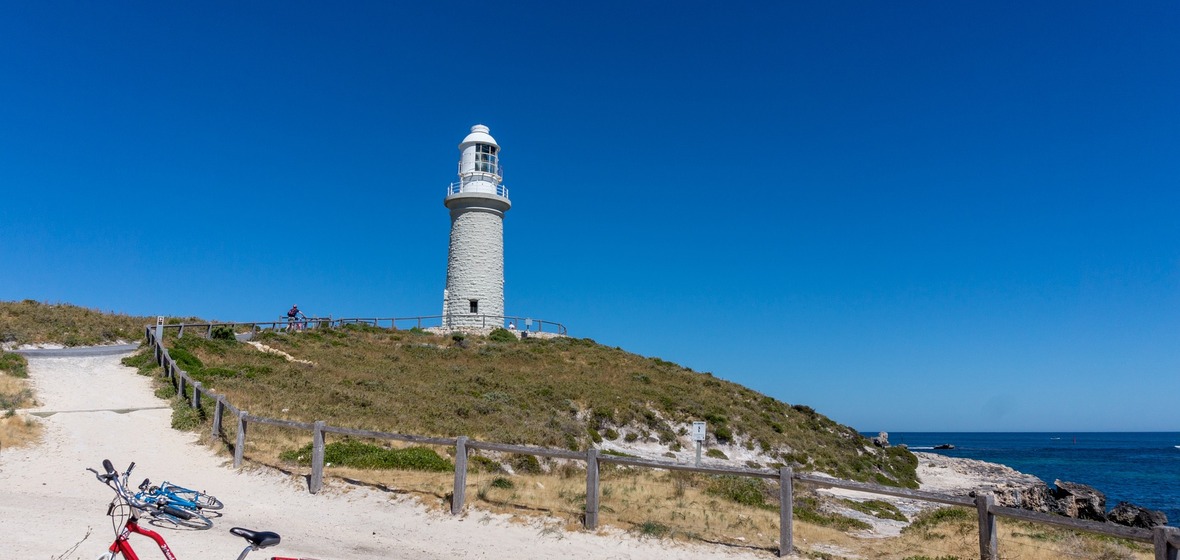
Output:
(908, 215)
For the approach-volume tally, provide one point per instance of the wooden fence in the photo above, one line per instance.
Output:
(1166, 539)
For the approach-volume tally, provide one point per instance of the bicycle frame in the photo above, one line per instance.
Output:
(123, 546)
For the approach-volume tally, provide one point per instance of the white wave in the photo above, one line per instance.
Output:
(932, 447)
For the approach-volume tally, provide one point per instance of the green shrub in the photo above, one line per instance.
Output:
(653, 529)
(501, 335)
(610, 434)
(143, 361)
(929, 519)
(479, 463)
(740, 489)
(722, 433)
(185, 360)
(716, 454)
(807, 509)
(630, 437)
(525, 464)
(14, 364)
(877, 508)
(222, 332)
(184, 417)
(352, 453)
(502, 483)
(594, 434)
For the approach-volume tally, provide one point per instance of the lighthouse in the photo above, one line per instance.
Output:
(474, 296)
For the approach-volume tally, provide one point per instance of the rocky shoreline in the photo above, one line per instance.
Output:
(966, 477)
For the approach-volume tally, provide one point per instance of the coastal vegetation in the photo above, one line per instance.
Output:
(562, 393)
(33, 322)
(573, 393)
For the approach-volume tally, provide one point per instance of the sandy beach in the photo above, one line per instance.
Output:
(102, 409)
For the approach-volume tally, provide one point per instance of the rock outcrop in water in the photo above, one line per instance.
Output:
(1015, 489)
(1079, 501)
(1132, 515)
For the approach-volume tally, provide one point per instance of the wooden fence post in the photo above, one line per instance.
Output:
(196, 394)
(460, 492)
(988, 545)
(786, 514)
(240, 444)
(180, 331)
(317, 457)
(180, 384)
(592, 489)
(1164, 550)
(218, 410)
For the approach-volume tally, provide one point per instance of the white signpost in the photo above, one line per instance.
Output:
(159, 328)
(698, 435)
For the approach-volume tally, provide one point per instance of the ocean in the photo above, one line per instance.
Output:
(1138, 467)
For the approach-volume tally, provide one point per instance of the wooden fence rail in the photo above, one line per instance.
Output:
(1165, 539)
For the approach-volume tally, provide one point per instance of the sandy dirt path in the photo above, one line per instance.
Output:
(49, 502)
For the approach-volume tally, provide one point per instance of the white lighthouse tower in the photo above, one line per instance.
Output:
(474, 296)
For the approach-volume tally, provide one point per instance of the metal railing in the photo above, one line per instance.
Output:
(457, 187)
(1166, 539)
(522, 324)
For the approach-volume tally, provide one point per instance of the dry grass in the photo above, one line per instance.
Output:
(32, 322)
(346, 388)
(662, 504)
(561, 393)
(16, 430)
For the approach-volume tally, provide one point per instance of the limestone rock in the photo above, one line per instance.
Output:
(1079, 501)
(1132, 515)
(882, 439)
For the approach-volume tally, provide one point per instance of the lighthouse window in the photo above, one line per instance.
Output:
(485, 161)
(474, 305)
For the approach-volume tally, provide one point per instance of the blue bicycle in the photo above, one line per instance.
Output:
(162, 503)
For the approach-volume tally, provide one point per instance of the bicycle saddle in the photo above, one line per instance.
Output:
(260, 539)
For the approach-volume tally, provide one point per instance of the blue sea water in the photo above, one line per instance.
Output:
(1138, 467)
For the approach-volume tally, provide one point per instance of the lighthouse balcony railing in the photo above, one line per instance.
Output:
(477, 186)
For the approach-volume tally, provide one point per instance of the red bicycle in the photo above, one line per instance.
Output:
(123, 511)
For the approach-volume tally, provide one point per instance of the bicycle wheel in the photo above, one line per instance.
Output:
(194, 521)
(206, 501)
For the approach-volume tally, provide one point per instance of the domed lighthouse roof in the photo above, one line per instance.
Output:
(479, 135)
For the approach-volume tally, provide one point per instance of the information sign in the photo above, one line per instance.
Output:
(698, 431)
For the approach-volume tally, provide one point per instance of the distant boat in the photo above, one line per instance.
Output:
(952, 446)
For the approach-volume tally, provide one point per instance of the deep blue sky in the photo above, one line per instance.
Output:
(908, 215)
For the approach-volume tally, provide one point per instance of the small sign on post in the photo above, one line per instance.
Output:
(159, 329)
(698, 436)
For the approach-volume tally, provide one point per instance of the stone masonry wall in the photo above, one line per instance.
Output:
(475, 265)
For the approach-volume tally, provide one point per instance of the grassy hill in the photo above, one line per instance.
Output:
(562, 392)
(32, 322)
